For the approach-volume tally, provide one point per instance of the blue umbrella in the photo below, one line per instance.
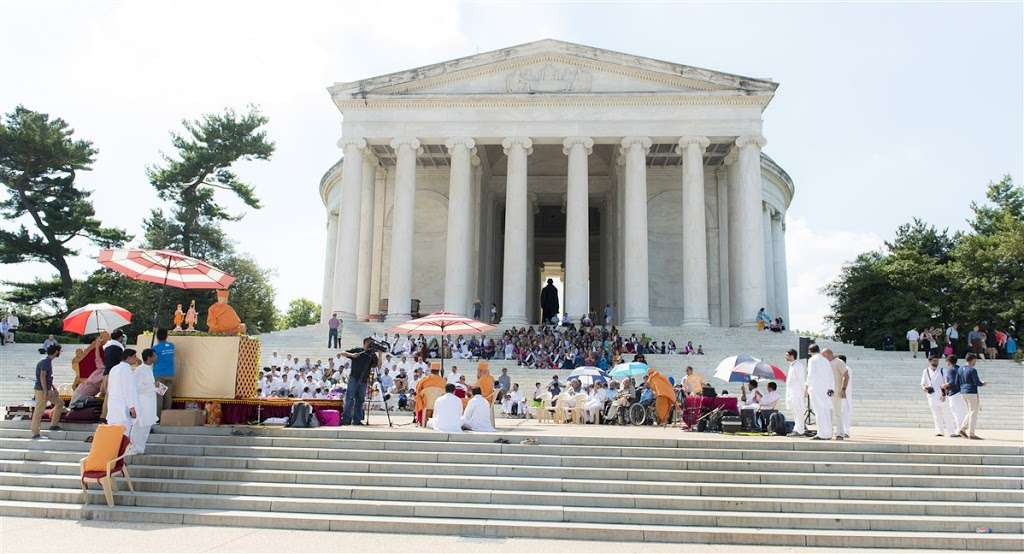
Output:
(630, 369)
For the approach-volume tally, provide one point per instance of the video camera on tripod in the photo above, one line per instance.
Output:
(381, 346)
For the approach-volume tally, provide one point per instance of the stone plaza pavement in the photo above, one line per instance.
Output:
(22, 534)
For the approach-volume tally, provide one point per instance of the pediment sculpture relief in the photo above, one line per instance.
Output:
(549, 78)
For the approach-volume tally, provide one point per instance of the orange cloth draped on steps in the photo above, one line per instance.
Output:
(433, 380)
(665, 396)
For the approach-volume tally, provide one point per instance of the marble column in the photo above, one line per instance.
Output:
(577, 227)
(695, 253)
(476, 235)
(781, 278)
(637, 294)
(514, 283)
(400, 278)
(347, 254)
(769, 264)
(458, 254)
(724, 295)
(329, 260)
(750, 264)
(735, 255)
(366, 236)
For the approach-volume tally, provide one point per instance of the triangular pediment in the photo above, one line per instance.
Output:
(550, 67)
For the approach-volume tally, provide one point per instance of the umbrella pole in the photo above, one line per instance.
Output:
(160, 305)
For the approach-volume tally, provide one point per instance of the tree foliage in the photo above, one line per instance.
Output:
(204, 155)
(39, 162)
(928, 277)
(301, 312)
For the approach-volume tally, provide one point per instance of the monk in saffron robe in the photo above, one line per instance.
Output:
(434, 380)
(485, 382)
(665, 396)
(222, 319)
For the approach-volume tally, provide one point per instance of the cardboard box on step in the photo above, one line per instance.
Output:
(183, 418)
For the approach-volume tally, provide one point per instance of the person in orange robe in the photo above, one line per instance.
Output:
(665, 396)
(222, 319)
(434, 380)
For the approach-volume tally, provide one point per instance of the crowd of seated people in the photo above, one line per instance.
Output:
(542, 347)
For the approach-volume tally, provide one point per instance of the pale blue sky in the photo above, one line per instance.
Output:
(884, 111)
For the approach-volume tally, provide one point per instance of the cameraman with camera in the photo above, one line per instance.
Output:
(363, 361)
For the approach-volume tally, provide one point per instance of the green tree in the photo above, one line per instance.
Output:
(301, 312)
(39, 161)
(989, 264)
(204, 155)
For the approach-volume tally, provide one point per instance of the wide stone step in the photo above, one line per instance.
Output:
(385, 450)
(16, 481)
(504, 471)
(519, 458)
(517, 528)
(710, 487)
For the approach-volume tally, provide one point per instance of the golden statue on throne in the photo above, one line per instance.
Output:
(221, 319)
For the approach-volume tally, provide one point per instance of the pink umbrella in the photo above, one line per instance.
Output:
(93, 318)
(165, 267)
(442, 323)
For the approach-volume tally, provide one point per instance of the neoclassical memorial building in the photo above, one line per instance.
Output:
(635, 182)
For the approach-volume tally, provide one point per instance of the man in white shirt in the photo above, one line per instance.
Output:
(122, 393)
(275, 360)
(477, 416)
(932, 383)
(453, 376)
(447, 412)
(912, 339)
(821, 384)
(518, 399)
(847, 398)
(840, 374)
(796, 392)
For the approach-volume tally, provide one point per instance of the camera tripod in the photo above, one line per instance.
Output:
(375, 379)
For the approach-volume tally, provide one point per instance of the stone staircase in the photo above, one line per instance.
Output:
(685, 489)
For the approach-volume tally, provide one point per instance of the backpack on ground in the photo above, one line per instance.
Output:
(302, 416)
(777, 424)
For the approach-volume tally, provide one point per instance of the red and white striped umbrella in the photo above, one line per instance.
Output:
(442, 323)
(165, 267)
(93, 318)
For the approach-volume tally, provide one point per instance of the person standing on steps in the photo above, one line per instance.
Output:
(45, 392)
(821, 383)
(796, 393)
(969, 384)
(163, 370)
(933, 383)
(363, 361)
(333, 332)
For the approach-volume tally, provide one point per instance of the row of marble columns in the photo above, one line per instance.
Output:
(754, 235)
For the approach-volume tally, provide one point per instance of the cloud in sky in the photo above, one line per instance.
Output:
(816, 257)
(877, 110)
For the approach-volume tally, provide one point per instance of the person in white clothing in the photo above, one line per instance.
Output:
(933, 383)
(122, 393)
(821, 384)
(145, 385)
(518, 400)
(447, 412)
(477, 416)
(847, 399)
(453, 375)
(913, 340)
(796, 393)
